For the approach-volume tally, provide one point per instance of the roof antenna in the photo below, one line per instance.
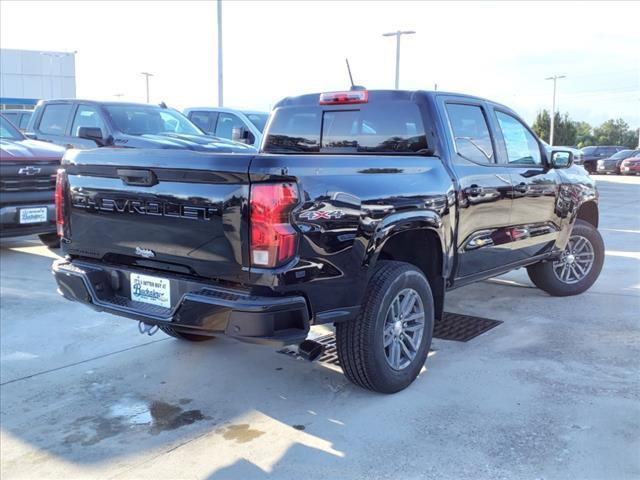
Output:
(353, 86)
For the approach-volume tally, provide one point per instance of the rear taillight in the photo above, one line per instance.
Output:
(342, 98)
(273, 238)
(59, 197)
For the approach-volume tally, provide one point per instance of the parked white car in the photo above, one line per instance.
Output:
(244, 126)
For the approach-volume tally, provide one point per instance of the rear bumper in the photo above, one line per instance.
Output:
(198, 307)
(10, 221)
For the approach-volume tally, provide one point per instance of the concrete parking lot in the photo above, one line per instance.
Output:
(553, 392)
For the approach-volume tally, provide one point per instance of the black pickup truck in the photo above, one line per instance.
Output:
(361, 210)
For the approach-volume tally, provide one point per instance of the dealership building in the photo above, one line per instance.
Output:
(27, 76)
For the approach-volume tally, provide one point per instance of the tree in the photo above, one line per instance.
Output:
(564, 129)
(615, 132)
(584, 134)
(542, 125)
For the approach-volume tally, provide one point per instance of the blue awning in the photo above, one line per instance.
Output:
(18, 101)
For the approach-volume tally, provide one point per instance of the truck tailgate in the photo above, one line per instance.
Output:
(178, 211)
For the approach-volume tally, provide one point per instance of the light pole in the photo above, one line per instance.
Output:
(555, 78)
(147, 75)
(220, 102)
(397, 34)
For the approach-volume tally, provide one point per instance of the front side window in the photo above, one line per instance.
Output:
(12, 117)
(149, 120)
(471, 133)
(522, 147)
(226, 123)
(87, 116)
(259, 120)
(54, 118)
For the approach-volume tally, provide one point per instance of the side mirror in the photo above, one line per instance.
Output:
(91, 133)
(240, 134)
(561, 159)
(30, 135)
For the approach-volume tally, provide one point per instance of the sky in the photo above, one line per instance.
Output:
(498, 50)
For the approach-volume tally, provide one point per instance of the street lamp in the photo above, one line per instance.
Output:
(220, 99)
(147, 75)
(555, 78)
(398, 34)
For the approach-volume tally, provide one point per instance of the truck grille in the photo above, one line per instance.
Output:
(26, 184)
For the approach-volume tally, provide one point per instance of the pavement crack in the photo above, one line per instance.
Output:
(44, 372)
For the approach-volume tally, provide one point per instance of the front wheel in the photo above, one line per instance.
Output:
(385, 347)
(577, 268)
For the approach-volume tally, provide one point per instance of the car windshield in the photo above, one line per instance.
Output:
(258, 119)
(622, 154)
(149, 120)
(588, 150)
(8, 131)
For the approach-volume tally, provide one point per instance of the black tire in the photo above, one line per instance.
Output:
(544, 277)
(51, 240)
(360, 342)
(189, 337)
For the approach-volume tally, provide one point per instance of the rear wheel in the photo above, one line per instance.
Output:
(51, 240)
(190, 337)
(385, 348)
(577, 268)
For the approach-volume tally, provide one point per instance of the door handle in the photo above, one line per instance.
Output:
(521, 188)
(144, 178)
(473, 190)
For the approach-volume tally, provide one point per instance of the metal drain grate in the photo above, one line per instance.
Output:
(452, 326)
(462, 328)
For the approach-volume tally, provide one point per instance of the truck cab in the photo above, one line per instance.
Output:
(246, 126)
(86, 124)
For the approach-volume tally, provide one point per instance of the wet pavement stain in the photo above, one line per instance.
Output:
(154, 417)
(240, 433)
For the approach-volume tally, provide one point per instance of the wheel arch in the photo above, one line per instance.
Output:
(588, 212)
(421, 247)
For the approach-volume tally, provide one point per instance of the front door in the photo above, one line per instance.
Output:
(485, 190)
(534, 223)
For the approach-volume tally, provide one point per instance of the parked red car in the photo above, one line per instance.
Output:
(630, 166)
(27, 185)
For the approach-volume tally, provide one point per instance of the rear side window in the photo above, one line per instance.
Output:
(382, 127)
(205, 120)
(54, 119)
(471, 133)
(24, 120)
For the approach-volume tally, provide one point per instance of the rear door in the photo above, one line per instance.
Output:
(485, 189)
(534, 227)
(54, 122)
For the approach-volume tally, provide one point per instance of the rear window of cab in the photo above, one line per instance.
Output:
(384, 127)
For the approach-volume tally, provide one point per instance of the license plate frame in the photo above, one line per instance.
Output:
(32, 215)
(150, 289)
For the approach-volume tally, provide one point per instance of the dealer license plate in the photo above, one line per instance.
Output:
(33, 215)
(153, 290)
